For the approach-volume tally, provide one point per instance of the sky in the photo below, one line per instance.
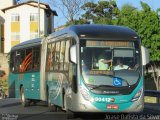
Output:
(61, 20)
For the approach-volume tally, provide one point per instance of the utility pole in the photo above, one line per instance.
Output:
(38, 18)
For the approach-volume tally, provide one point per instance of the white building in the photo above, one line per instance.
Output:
(21, 22)
(3, 4)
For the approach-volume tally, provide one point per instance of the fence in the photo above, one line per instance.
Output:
(153, 93)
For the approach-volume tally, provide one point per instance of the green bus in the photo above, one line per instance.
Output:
(82, 68)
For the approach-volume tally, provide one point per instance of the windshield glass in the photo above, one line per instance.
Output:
(110, 63)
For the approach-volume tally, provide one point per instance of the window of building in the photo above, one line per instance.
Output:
(34, 17)
(15, 17)
(15, 36)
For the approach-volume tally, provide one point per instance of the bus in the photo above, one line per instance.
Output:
(82, 68)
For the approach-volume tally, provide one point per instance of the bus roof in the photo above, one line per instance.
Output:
(90, 31)
(28, 43)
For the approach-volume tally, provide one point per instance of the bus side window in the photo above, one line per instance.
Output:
(17, 61)
(12, 61)
(48, 63)
(36, 58)
(22, 54)
(62, 53)
(66, 59)
(53, 49)
(27, 62)
(57, 56)
(50, 57)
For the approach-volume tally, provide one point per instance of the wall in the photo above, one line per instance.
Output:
(3, 4)
(24, 12)
(4, 64)
(6, 3)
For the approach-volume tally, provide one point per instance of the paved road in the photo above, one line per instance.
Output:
(11, 109)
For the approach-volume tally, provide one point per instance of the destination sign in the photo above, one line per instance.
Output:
(109, 43)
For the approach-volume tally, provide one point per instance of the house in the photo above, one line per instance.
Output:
(21, 23)
(3, 4)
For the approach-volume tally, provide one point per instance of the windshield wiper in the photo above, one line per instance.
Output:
(98, 86)
(124, 81)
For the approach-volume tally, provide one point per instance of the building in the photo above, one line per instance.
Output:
(3, 57)
(3, 4)
(21, 22)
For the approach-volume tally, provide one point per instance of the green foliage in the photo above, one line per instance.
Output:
(4, 84)
(145, 22)
(77, 22)
(102, 12)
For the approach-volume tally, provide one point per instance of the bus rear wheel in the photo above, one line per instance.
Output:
(24, 101)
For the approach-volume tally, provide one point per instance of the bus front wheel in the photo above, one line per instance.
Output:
(24, 101)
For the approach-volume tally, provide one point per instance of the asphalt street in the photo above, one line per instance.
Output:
(11, 109)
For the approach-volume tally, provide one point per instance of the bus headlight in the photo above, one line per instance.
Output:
(137, 95)
(85, 94)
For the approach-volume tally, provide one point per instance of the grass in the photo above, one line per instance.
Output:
(4, 84)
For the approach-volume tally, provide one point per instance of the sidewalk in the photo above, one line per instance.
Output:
(152, 106)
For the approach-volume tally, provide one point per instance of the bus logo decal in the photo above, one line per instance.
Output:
(117, 81)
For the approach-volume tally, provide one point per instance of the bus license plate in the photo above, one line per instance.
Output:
(112, 107)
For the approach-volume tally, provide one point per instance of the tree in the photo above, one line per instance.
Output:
(102, 12)
(150, 33)
(70, 8)
(146, 23)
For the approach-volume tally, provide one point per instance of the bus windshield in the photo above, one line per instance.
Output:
(103, 62)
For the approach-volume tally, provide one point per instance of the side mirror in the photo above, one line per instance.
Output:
(73, 54)
(145, 55)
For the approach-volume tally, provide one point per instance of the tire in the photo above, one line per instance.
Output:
(25, 102)
(33, 102)
(51, 107)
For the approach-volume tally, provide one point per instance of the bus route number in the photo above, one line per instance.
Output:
(99, 99)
